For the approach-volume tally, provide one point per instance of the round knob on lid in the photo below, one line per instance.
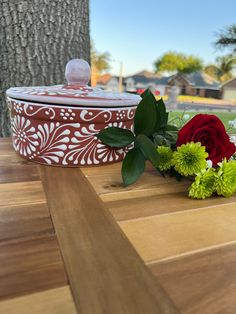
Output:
(77, 72)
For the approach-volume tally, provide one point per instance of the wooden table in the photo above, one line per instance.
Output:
(76, 241)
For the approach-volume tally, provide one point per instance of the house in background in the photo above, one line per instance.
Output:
(195, 84)
(108, 82)
(104, 80)
(229, 90)
(138, 82)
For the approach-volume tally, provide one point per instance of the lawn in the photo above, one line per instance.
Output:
(188, 98)
(198, 100)
(178, 118)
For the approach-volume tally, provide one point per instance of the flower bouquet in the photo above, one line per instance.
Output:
(200, 150)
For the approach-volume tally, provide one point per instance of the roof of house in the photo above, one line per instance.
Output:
(141, 79)
(230, 83)
(104, 79)
(198, 79)
(148, 74)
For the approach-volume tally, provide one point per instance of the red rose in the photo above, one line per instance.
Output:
(210, 132)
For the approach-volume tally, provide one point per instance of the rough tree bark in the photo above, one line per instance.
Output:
(37, 38)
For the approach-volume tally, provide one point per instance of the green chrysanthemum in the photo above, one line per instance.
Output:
(226, 178)
(166, 155)
(204, 184)
(190, 158)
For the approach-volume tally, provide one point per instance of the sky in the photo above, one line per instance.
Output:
(138, 32)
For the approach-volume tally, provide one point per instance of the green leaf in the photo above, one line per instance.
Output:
(159, 140)
(162, 111)
(172, 137)
(148, 149)
(158, 124)
(116, 137)
(145, 115)
(147, 92)
(171, 127)
(133, 166)
(161, 106)
(162, 115)
(165, 119)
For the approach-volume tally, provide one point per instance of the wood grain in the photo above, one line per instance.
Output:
(160, 204)
(19, 173)
(8, 156)
(30, 258)
(110, 170)
(171, 235)
(6, 147)
(30, 265)
(12, 159)
(202, 283)
(189, 246)
(106, 274)
(20, 193)
(6, 143)
(19, 221)
(110, 188)
(54, 301)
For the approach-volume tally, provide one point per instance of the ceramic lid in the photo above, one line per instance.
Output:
(76, 92)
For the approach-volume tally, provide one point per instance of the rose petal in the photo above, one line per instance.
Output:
(210, 131)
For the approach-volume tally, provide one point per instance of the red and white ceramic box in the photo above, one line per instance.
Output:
(57, 125)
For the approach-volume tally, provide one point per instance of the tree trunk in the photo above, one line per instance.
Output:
(37, 38)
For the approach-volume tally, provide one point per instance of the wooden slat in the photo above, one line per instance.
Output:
(110, 188)
(29, 266)
(30, 258)
(106, 274)
(106, 170)
(24, 221)
(110, 169)
(202, 283)
(168, 236)
(21, 193)
(6, 145)
(8, 156)
(12, 160)
(189, 246)
(160, 204)
(5, 140)
(6, 148)
(19, 173)
(54, 301)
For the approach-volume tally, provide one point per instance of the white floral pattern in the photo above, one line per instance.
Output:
(30, 111)
(67, 114)
(86, 149)
(25, 139)
(18, 107)
(69, 138)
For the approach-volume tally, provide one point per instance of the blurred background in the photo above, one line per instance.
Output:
(184, 51)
